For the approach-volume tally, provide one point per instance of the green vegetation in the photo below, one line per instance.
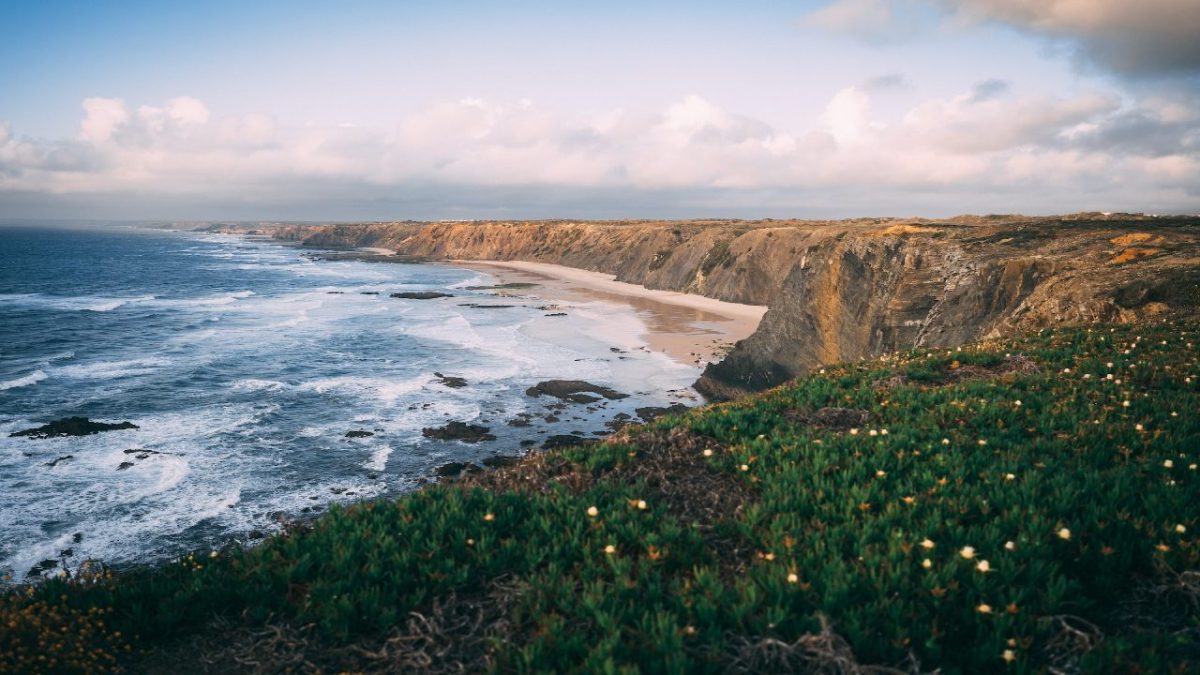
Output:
(1017, 506)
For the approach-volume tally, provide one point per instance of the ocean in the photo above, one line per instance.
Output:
(244, 363)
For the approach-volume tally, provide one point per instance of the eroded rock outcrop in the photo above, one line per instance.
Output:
(845, 290)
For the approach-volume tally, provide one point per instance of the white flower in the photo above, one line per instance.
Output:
(1125, 404)
(883, 432)
(927, 563)
(982, 442)
(1180, 528)
(1010, 546)
(984, 608)
(744, 467)
(793, 578)
(854, 432)
(1017, 403)
(1009, 655)
(967, 552)
(1138, 427)
(593, 511)
(610, 549)
(872, 432)
(708, 452)
(641, 504)
(1064, 534)
(880, 473)
(927, 543)
(1168, 464)
(489, 517)
(1066, 370)
(1010, 476)
(983, 566)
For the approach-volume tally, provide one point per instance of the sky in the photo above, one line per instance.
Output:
(454, 109)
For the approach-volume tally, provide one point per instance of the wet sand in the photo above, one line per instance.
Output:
(691, 329)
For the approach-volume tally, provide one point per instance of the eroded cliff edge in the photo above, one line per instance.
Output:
(846, 290)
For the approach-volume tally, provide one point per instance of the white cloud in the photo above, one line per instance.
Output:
(966, 148)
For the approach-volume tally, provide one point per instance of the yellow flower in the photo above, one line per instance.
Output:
(967, 552)
(610, 549)
(983, 566)
(1163, 548)
(489, 517)
(854, 432)
(793, 578)
(927, 563)
(982, 442)
(708, 452)
(1010, 546)
(1168, 464)
(1009, 655)
(769, 556)
(744, 467)
(213, 554)
(641, 504)
(1010, 476)
(689, 630)
(945, 441)
(927, 543)
(470, 542)
(1064, 534)
(984, 608)
(593, 511)
(1017, 403)
(880, 473)
(873, 432)
(909, 500)
(1180, 528)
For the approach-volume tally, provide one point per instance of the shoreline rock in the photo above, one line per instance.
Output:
(575, 391)
(71, 426)
(459, 431)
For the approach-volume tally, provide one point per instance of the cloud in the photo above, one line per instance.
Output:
(1132, 37)
(988, 89)
(983, 149)
(872, 21)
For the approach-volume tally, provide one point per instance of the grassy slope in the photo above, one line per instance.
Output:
(757, 535)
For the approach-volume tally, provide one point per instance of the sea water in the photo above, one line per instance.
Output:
(244, 363)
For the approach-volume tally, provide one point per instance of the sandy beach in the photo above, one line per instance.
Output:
(691, 329)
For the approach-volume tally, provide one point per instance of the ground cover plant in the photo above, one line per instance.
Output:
(1024, 505)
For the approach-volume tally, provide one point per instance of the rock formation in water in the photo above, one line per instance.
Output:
(845, 290)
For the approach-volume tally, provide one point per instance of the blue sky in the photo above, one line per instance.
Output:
(479, 109)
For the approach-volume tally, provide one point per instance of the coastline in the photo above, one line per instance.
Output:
(691, 329)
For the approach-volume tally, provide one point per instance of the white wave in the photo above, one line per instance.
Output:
(111, 370)
(32, 378)
(254, 384)
(79, 303)
(385, 390)
(379, 458)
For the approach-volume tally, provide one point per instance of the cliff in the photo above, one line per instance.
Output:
(847, 290)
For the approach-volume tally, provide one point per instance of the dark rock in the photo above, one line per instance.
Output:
(43, 566)
(527, 442)
(72, 426)
(359, 433)
(552, 418)
(421, 295)
(368, 292)
(521, 420)
(256, 534)
(476, 305)
(459, 431)
(573, 390)
(124, 465)
(66, 553)
(498, 461)
(565, 440)
(650, 413)
(335, 292)
(453, 469)
(497, 287)
(557, 314)
(77, 537)
(53, 463)
(451, 381)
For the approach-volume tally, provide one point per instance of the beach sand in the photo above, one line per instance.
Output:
(691, 329)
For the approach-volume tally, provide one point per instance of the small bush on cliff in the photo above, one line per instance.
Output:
(1019, 506)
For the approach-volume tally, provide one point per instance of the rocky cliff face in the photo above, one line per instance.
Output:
(847, 290)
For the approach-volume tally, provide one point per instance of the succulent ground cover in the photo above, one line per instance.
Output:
(1025, 505)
